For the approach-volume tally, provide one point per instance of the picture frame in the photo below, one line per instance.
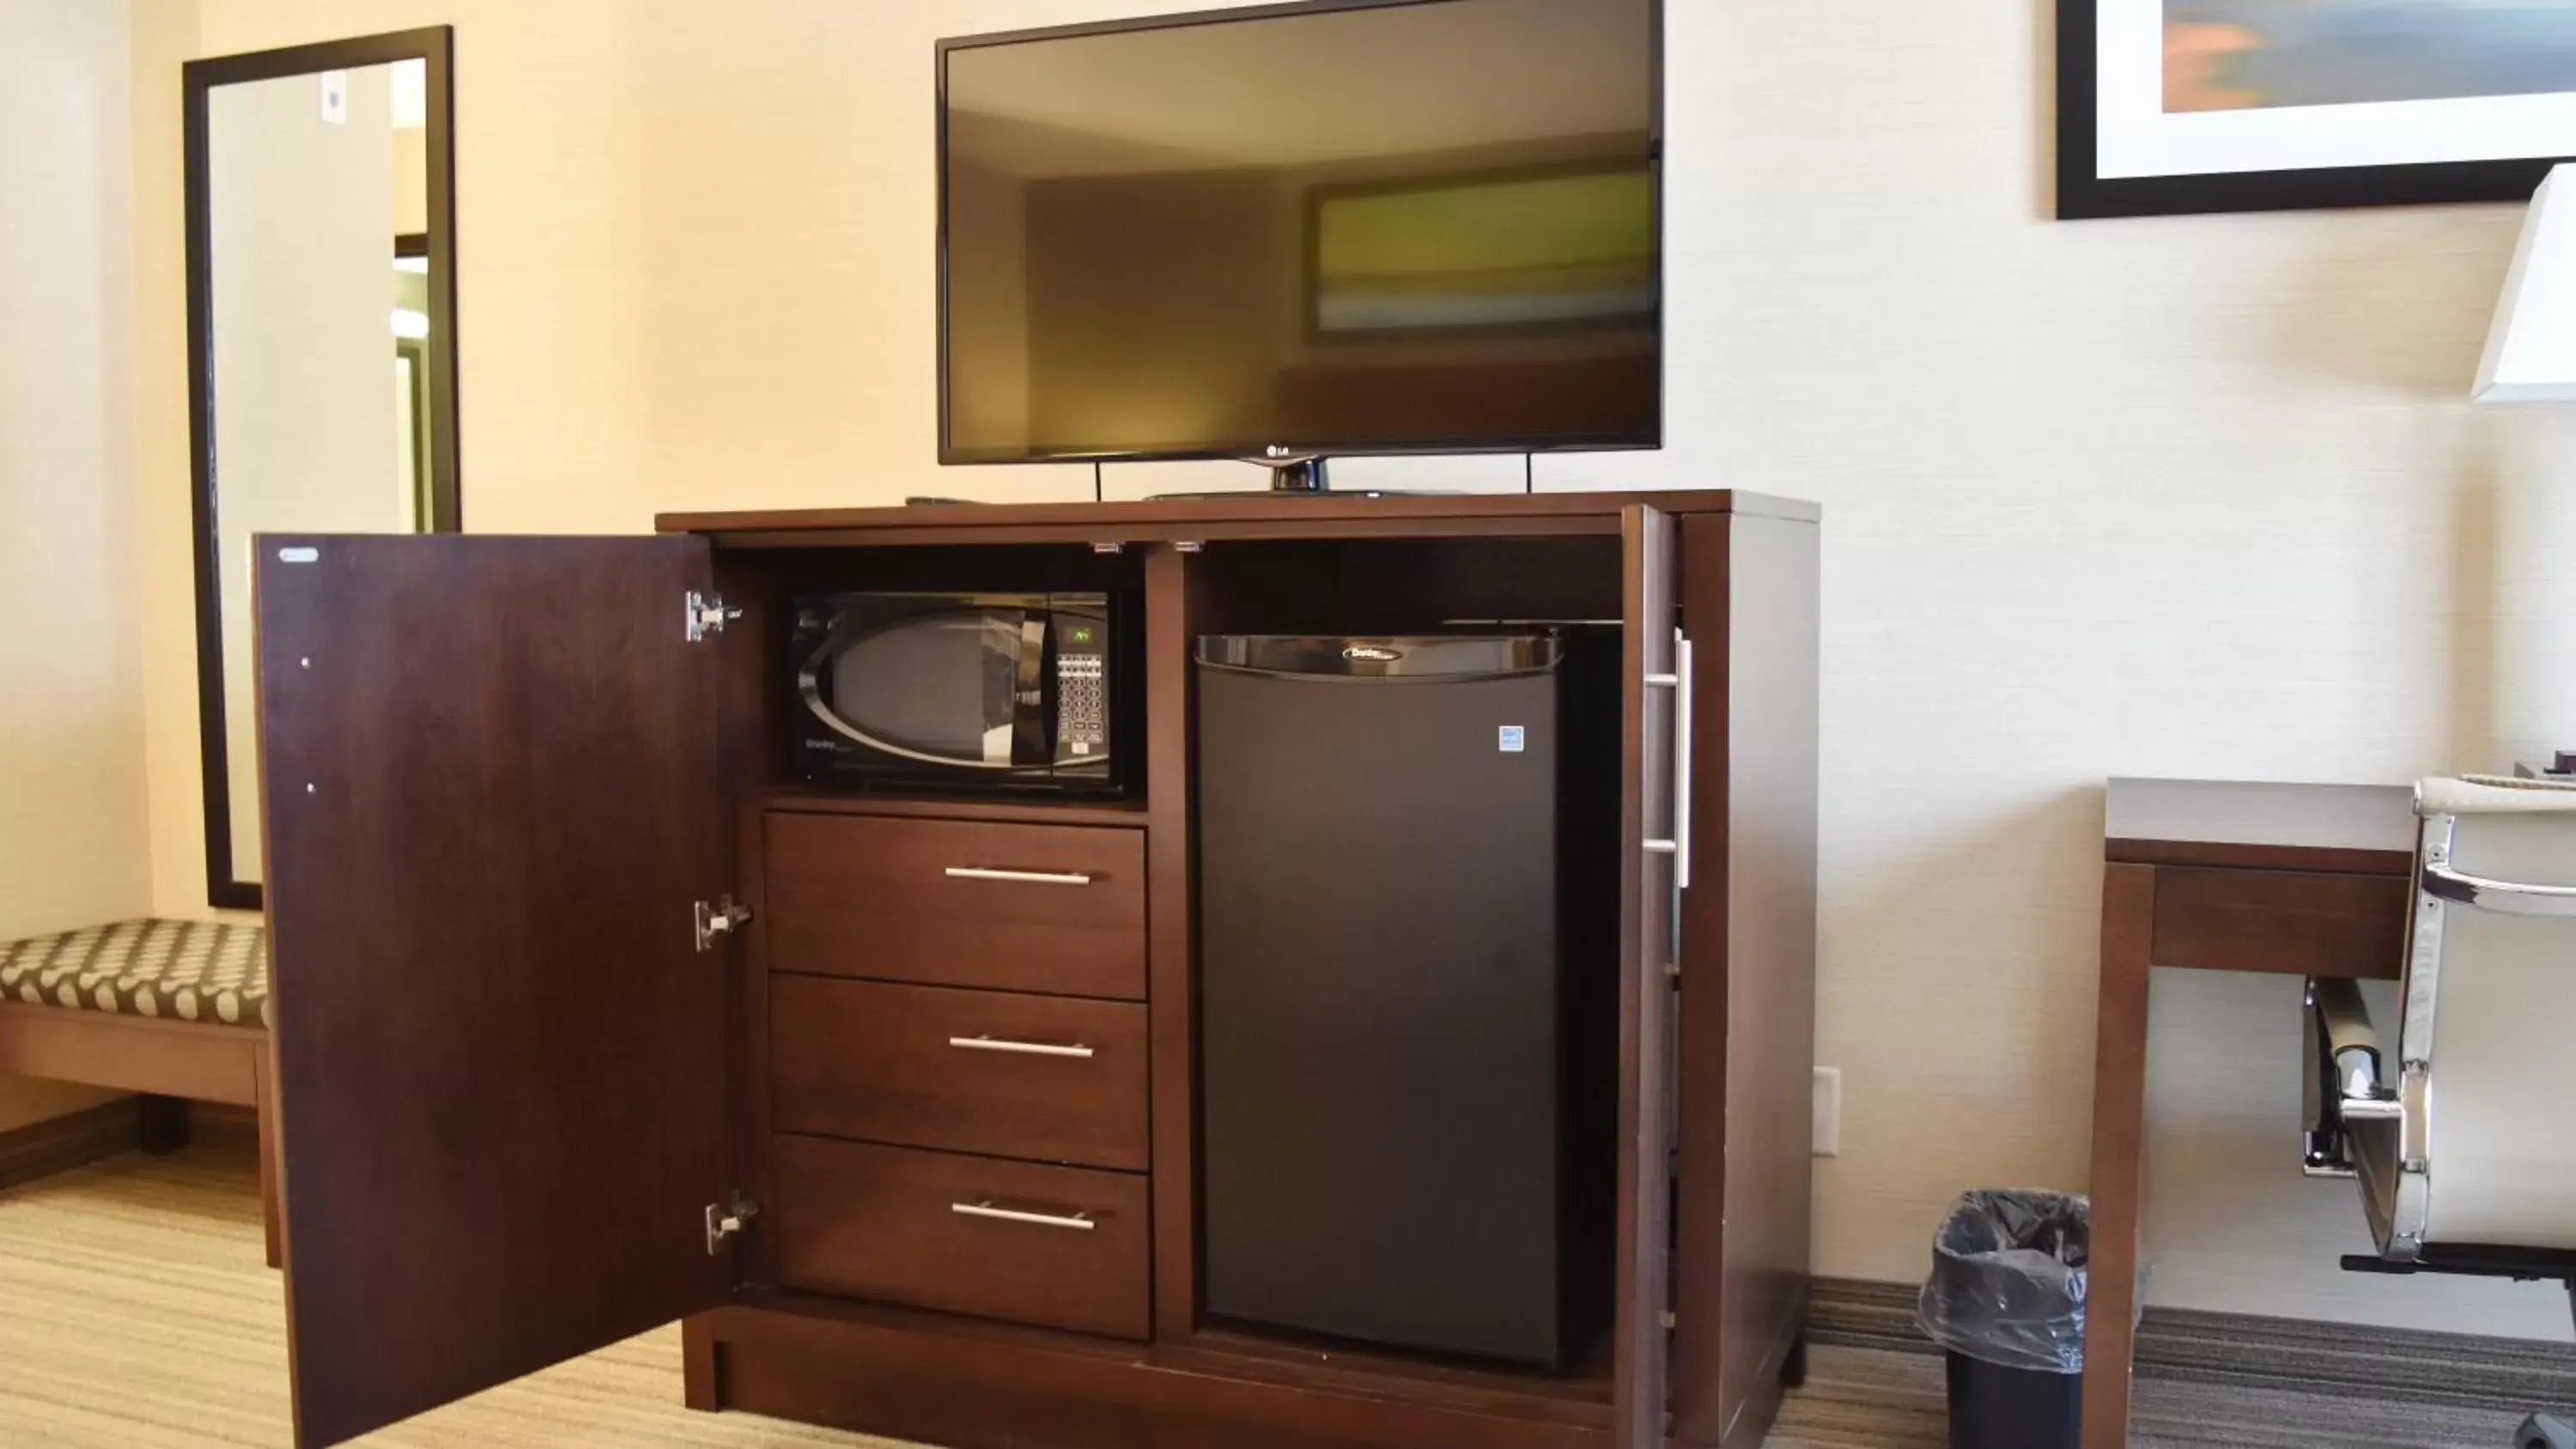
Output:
(2170, 107)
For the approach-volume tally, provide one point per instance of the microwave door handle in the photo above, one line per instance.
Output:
(1029, 743)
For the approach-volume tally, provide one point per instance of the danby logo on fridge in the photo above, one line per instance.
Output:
(1372, 654)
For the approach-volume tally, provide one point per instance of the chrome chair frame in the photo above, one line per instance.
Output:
(2361, 1125)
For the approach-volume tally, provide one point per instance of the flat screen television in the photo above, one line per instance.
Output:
(1282, 233)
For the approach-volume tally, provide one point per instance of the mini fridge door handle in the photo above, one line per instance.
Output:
(1682, 711)
(1678, 845)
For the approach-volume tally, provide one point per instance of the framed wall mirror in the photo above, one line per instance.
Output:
(321, 346)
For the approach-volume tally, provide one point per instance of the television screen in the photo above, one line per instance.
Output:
(1334, 229)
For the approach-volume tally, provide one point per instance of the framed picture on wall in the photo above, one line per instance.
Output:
(2169, 106)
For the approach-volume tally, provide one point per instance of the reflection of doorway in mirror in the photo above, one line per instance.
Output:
(413, 478)
(313, 183)
(411, 291)
(411, 430)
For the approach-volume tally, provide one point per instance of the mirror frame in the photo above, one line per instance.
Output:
(434, 47)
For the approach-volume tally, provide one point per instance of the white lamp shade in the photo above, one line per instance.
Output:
(2531, 351)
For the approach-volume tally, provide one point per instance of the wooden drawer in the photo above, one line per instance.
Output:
(1048, 1077)
(1052, 908)
(864, 1221)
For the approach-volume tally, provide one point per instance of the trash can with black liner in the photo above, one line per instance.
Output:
(2006, 1299)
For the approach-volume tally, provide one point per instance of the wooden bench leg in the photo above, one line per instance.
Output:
(701, 1366)
(160, 1123)
(266, 1106)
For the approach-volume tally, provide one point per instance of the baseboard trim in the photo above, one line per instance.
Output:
(58, 1144)
(2244, 1350)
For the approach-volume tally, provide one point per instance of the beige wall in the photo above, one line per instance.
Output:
(411, 179)
(2186, 496)
(72, 824)
(164, 36)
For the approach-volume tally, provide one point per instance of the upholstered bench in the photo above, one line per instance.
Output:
(177, 1010)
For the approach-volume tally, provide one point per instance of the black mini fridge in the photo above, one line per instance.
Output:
(1408, 1004)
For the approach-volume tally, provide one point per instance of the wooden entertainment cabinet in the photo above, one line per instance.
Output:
(588, 1018)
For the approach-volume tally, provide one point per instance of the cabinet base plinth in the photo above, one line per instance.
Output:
(965, 1385)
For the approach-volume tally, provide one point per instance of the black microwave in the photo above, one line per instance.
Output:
(973, 691)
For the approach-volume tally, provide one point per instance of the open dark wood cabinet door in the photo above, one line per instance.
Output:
(1652, 850)
(492, 804)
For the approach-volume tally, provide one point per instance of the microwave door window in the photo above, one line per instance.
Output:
(940, 688)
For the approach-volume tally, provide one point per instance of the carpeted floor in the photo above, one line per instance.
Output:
(1858, 1398)
(136, 1313)
(2204, 1379)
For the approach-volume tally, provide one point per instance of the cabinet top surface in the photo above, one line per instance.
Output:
(1393, 514)
(2231, 822)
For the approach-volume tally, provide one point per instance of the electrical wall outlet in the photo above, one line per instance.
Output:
(1829, 1112)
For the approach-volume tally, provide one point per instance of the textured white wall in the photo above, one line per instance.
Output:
(72, 842)
(2189, 496)
(2193, 496)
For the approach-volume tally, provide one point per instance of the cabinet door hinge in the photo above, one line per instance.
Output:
(708, 614)
(727, 1218)
(719, 919)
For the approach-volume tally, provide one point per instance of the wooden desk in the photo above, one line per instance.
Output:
(2305, 880)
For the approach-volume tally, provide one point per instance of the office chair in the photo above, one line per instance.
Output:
(2480, 1178)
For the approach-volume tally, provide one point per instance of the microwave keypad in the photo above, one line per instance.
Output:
(1081, 712)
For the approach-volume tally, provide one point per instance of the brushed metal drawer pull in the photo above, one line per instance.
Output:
(1024, 877)
(1078, 1222)
(1023, 1048)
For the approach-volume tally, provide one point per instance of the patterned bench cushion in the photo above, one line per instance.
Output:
(209, 971)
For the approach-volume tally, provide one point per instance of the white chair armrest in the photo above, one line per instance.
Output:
(2513, 898)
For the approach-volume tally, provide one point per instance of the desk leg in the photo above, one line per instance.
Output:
(2119, 1125)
